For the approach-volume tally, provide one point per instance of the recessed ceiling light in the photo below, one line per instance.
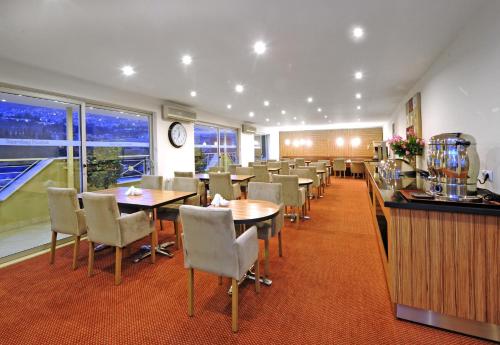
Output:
(358, 75)
(358, 107)
(295, 117)
(128, 70)
(229, 106)
(326, 116)
(267, 120)
(187, 60)
(3, 100)
(239, 88)
(266, 103)
(319, 110)
(259, 47)
(283, 112)
(251, 114)
(303, 122)
(358, 96)
(310, 99)
(193, 93)
(278, 123)
(358, 32)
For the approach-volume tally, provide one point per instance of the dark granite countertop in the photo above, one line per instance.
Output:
(394, 199)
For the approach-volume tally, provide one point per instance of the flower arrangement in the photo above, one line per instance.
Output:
(409, 147)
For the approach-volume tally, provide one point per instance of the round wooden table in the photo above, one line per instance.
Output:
(247, 211)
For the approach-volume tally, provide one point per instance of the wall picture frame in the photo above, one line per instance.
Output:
(414, 115)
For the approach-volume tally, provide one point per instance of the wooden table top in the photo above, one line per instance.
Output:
(273, 169)
(304, 181)
(234, 178)
(321, 171)
(150, 198)
(247, 211)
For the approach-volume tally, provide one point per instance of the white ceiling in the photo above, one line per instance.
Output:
(310, 51)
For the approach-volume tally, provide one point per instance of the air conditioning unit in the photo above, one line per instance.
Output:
(177, 113)
(247, 128)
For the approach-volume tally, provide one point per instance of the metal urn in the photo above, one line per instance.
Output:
(453, 165)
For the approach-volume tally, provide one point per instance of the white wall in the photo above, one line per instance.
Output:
(167, 158)
(461, 90)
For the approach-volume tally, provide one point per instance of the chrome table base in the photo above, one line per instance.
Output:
(161, 249)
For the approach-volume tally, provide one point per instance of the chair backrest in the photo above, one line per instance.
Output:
(220, 183)
(284, 167)
(300, 172)
(299, 162)
(261, 173)
(272, 192)
(152, 182)
(319, 165)
(101, 213)
(209, 239)
(183, 174)
(357, 167)
(274, 164)
(63, 207)
(244, 171)
(232, 168)
(215, 169)
(250, 164)
(289, 188)
(326, 161)
(339, 165)
(185, 184)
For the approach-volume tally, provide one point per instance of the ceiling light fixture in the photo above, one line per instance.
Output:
(266, 103)
(128, 70)
(229, 106)
(358, 96)
(339, 141)
(187, 60)
(239, 88)
(358, 107)
(295, 117)
(355, 142)
(259, 47)
(358, 32)
(193, 93)
(310, 99)
(326, 116)
(267, 120)
(358, 75)
(251, 114)
(287, 141)
(320, 110)
(303, 122)
(283, 112)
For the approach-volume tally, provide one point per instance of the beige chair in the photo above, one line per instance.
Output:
(284, 168)
(274, 165)
(66, 217)
(210, 245)
(339, 166)
(201, 184)
(328, 170)
(220, 183)
(170, 212)
(293, 195)
(152, 182)
(357, 169)
(310, 173)
(106, 226)
(265, 230)
(232, 168)
(299, 162)
(215, 169)
(261, 173)
(321, 166)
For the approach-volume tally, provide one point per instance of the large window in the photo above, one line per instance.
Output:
(214, 147)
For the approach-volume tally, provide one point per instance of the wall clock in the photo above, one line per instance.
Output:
(177, 134)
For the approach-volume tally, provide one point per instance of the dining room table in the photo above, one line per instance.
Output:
(149, 200)
(248, 212)
(274, 170)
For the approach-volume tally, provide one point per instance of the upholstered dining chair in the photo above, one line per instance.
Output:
(310, 173)
(66, 217)
(265, 230)
(357, 169)
(321, 166)
(152, 182)
(107, 226)
(293, 195)
(339, 166)
(244, 171)
(261, 173)
(201, 184)
(216, 169)
(170, 212)
(220, 183)
(232, 168)
(328, 170)
(284, 167)
(299, 162)
(273, 165)
(210, 245)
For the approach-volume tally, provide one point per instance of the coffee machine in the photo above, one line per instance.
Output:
(453, 165)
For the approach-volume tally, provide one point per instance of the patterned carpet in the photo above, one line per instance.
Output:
(329, 288)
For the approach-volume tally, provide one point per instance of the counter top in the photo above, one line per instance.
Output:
(394, 199)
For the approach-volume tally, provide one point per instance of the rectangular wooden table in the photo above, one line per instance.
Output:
(150, 199)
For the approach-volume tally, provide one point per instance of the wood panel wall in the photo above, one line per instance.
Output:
(446, 262)
(324, 143)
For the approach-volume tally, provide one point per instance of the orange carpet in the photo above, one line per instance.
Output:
(329, 288)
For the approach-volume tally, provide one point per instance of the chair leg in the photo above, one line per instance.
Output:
(118, 265)
(154, 244)
(177, 234)
(220, 280)
(257, 275)
(280, 248)
(53, 243)
(76, 249)
(234, 297)
(190, 292)
(91, 259)
(266, 258)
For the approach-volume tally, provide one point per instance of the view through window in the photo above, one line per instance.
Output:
(214, 147)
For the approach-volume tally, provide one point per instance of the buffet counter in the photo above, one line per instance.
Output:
(441, 260)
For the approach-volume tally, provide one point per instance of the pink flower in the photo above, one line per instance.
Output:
(407, 152)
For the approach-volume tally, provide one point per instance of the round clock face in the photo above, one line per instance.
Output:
(177, 134)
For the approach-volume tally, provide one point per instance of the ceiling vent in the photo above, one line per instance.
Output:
(174, 112)
(247, 128)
